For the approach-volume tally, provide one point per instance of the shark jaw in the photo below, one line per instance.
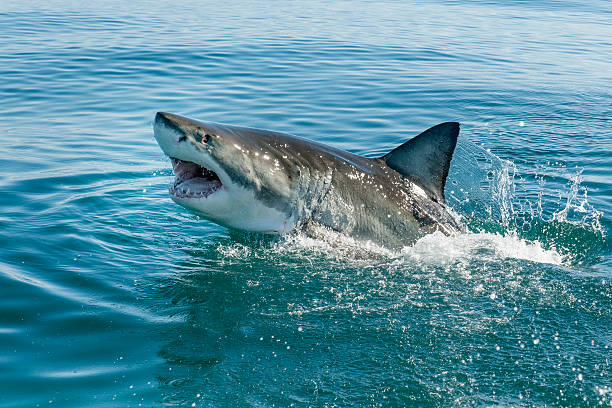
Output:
(201, 190)
(193, 181)
(197, 184)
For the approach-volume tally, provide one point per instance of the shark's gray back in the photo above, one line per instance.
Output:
(359, 196)
(373, 201)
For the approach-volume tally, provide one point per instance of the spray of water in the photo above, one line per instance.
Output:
(543, 206)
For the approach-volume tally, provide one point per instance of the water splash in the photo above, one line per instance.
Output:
(544, 205)
(434, 249)
(438, 248)
(577, 208)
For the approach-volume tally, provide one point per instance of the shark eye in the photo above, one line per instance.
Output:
(203, 139)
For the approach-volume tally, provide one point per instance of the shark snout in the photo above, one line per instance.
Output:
(183, 128)
(184, 139)
(162, 116)
(169, 120)
(167, 117)
(179, 137)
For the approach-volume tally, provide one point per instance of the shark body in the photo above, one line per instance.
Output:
(270, 182)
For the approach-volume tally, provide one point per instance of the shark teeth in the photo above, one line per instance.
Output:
(202, 190)
(193, 180)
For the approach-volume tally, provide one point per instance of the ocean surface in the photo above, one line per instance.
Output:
(111, 295)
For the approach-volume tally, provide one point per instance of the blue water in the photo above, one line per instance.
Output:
(111, 295)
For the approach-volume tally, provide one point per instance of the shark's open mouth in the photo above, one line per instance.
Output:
(193, 180)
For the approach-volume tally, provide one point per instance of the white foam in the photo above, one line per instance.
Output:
(331, 243)
(439, 248)
(436, 248)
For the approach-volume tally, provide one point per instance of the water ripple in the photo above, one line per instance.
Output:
(115, 296)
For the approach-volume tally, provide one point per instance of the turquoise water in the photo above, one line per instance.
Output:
(113, 296)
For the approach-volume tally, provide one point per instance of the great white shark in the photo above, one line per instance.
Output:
(270, 182)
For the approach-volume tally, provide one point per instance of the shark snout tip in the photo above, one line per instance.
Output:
(162, 116)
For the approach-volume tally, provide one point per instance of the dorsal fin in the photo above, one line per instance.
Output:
(425, 159)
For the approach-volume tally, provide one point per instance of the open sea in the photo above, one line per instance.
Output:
(111, 295)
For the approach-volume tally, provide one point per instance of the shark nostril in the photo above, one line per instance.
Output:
(182, 139)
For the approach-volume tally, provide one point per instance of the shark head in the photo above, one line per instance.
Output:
(236, 177)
